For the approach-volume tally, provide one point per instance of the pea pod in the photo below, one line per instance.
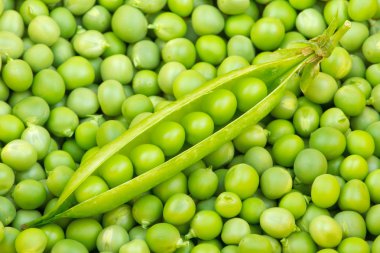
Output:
(275, 74)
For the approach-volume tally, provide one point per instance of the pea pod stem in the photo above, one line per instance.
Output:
(275, 73)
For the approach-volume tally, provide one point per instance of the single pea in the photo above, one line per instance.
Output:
(111, 97)
(275, 182)
(267, 33)
(352, 223)
(254, 243)
(84, 231)
(179, 209)
(295, 202)
(68, 245)
(62, 122)
(354, 196)
(335, 117)
(91, 187)
(325, 190)
(17, 75)
(117, 67)
(170, 187)
(205, 225)
(116, 170)
(290, 145)
(309, 164)
(277, 222)
(305, 120)
(310, 22)
(32, 110)
(147, 210)
(287, 106)
(89, 43)
(167, 74)
(299, 242)
(241, 45)
(39, 57)
(97, 18)
(231, 63)
(121, 215)
(54, 234)
(108, 131)
(31, 239)
(19, 154)
(7, 179)
(207, 19)
(145, 157)
(11, 127)
(283, 11)
(330, 141)
(38, 7)
(242, 179)
(65, 20)
(136, 104)
(198, 126)
(202, 183)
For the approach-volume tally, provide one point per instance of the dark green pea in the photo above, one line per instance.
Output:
(121, 216)
(65, 20)
(12, 21)
(145, 55)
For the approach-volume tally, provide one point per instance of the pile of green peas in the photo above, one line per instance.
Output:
(76, 74)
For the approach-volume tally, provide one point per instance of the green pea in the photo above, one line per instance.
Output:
(136, 245)
(287, 106)
(238, 25)
(39, 138)
(205, 225)
(62, 50)
(207, 19)
(330, 141)
(121, 216)
(252, 209)
(136, 104)
(11, 127)
(309, 164)
(54, 234)
(62, 122)
(145, 55)
(35, 172)
(56, 158)
(361, 143)
(12, 21)
(11, 44)
(111, 97)
(335, 117)
(32, 8)
(115, 45)
(186, 82)
(7, 210)
(17, 75)
(354, 196)
(254, 243)
(147, 210)
(68, 245)
(175, 185)
(168, 26)
(97, 18)
(325, 231)
(44, 29)
(181, 50)
(241, 179)
(310, 22)
(32, 110)
(91, 187)
(259, 158)
(58, 178)
(31, 239)
(89, 44)
(116, 170)
(117, 67)
(65, 20)
(84, 231)
(7, 179)
(352, 223)
(289, 144)
(283, 11)
(19, 155)
(202, 183)
(137, 24)
(108, 131)
(182, 8)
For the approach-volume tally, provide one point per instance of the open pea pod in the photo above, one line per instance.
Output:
(275, 74)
